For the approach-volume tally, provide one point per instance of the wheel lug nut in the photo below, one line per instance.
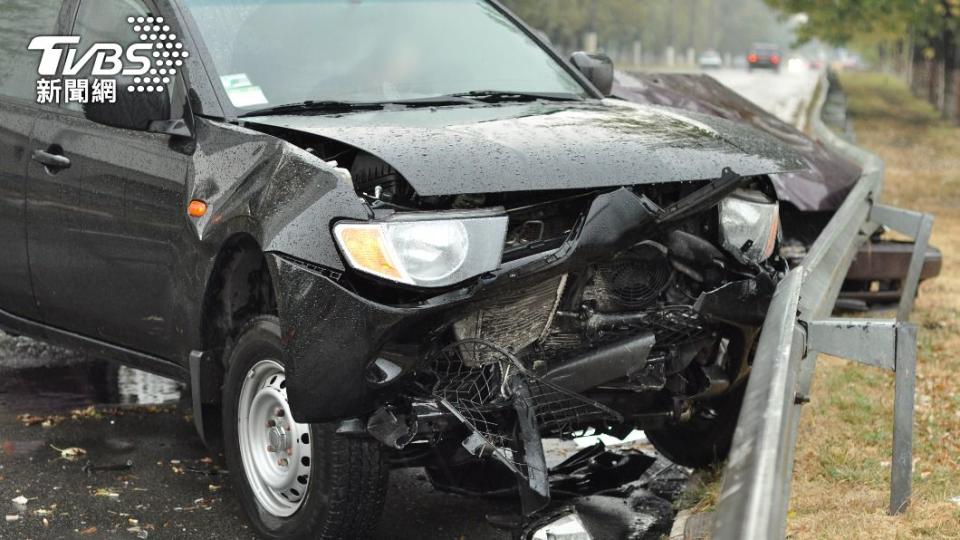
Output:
(289, 451)
(279, 412)
(271, 423)
(270, 448)
(283, 462)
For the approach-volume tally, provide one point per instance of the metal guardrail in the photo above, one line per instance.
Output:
(755, 492)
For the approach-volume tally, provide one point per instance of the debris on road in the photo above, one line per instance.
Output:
(47, 421)
(72, 453)
(90, 468)
(106, 492)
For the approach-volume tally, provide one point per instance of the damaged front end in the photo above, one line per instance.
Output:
(605, 309)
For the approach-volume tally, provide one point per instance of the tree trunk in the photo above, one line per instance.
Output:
(949, 72)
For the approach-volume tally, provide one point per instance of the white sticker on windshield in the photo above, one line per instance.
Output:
(241, 91)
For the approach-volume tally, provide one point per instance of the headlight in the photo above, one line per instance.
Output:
(749, 225)
(425, 249)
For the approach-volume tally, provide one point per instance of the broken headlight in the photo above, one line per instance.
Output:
(749, 225)
(426, 249)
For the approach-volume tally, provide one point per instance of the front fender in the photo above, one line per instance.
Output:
(283, 196)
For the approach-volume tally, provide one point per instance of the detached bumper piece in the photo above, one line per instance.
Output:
(876, 275)
(507, 407)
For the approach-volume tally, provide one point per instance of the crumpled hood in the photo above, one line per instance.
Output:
(538, 146)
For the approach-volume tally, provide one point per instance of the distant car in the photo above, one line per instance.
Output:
(764, 56)
(710, 59)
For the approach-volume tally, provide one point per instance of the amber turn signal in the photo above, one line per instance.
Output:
(364, 246)
(197, 208)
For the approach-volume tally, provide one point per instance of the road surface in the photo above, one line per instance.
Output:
(144, 473)
(785, 94)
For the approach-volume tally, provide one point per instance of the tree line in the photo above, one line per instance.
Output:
(916, 38)
(725, 25)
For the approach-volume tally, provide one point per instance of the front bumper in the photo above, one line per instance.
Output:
(331, 336)
(876, 275)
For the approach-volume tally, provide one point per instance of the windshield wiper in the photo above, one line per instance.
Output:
(494, 96)
(461, 98)
(315, 106)
(351, 106)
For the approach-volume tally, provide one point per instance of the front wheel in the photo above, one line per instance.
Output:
(705, 439)
(294, 480)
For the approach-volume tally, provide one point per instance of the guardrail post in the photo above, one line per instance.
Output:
(901, 467)
(912, 280)
(887, 344)
(917, 226)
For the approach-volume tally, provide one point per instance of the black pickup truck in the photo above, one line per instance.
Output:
(374, 234)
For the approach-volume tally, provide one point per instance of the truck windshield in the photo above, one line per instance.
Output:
(275, 52)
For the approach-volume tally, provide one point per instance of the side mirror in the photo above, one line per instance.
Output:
(597, 68)
(138, 111)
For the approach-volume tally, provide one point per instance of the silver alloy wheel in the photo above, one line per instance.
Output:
(274, 449)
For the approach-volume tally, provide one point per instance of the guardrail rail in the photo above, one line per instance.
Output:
(755, 492)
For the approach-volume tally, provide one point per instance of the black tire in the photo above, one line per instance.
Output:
(348, 475)
(702, 442)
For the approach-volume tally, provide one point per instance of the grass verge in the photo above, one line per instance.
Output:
(841, 478)
(842, 470)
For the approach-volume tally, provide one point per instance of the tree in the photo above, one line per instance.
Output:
(726, 25)
(933, 24)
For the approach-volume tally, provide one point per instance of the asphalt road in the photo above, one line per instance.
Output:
(101, 451)
(786, 94)
(143, 473)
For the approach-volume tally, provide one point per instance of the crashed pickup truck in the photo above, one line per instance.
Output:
(376, 234)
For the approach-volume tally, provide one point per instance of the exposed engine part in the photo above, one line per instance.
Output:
(603, 364)
(512, 322)
(632, 280)
(742, 303)
(693, 249)
(392, 429)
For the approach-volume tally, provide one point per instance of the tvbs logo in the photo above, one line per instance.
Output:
(148, 65)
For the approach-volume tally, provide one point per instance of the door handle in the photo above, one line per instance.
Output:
(50, 160)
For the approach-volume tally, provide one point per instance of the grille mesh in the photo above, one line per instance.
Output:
(481, 397)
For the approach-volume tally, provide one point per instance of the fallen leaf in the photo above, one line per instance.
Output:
(70, 454)
(88, 412)
(88, 531)
(33, 420)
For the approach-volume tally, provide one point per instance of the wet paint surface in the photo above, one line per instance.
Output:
(536, 146)
(825, 178)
